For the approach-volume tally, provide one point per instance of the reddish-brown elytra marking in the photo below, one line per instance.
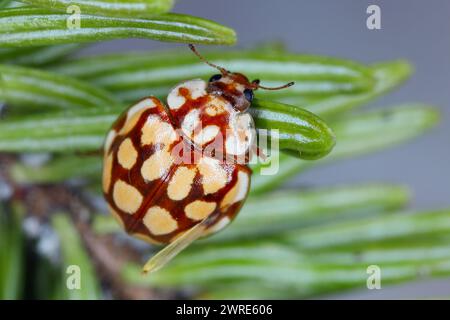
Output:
(178, 172)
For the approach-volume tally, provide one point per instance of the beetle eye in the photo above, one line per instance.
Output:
(248, 93)
(215, 77)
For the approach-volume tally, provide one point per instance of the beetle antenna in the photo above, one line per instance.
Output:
(287, 85)
(256, 85)
(223, 71)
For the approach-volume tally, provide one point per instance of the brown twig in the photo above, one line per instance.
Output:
(108, 255)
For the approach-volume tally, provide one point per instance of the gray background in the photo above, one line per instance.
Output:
(417, 30)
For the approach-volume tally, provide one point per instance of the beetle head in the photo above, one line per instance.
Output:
(233, 86)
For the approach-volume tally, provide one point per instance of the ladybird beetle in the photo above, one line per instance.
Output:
(174, 173)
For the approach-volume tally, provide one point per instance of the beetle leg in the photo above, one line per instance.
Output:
(171, 250)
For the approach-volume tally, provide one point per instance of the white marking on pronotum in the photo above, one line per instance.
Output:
(196, 87)
(241, 135)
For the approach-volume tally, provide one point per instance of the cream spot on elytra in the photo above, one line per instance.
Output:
(107, 172)
(238, 192)
(181, 183)
(214, 176)
(127, 154)
(141, 105)
(159, 221)
(134, 114)
(126, 197)
(109, 140)
(199, 210)
(156, 165)
(190, 121)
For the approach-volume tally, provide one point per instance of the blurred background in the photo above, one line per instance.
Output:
(414, 30)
